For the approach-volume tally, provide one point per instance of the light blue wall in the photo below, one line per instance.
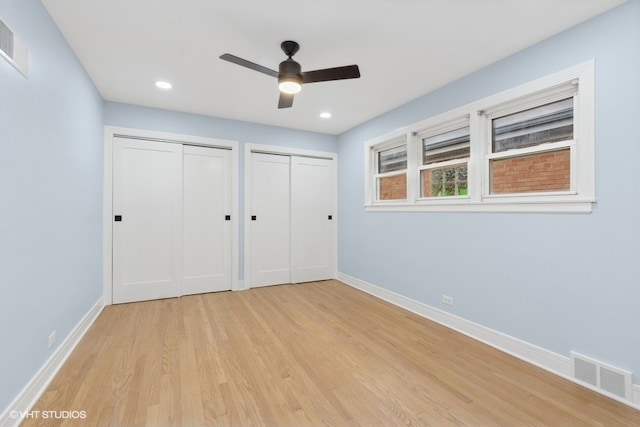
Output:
(560, 281)
(136, 117)
(51, 189)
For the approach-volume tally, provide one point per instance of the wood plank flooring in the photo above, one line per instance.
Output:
(297, 355)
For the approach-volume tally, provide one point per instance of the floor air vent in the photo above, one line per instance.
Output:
(602, 376)
(13, 49)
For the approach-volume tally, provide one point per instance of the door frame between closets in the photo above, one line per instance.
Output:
(285, 151)
(111, 132)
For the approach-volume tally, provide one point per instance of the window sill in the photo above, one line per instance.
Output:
(488, 205)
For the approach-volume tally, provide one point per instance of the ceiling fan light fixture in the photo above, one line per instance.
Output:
(289, 85)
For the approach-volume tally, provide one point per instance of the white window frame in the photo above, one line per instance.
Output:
(567, 90)
(387, 145)
(444, 128)
(577, 81)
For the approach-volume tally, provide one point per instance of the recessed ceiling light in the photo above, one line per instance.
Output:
(163, 85)
(325, 115)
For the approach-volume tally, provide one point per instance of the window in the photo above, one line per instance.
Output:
(531, 149)
(391, 177)
(444, 164)
(527, 149)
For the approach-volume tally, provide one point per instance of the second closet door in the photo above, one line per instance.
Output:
(292, 232)
(270, 219)
(312, 219)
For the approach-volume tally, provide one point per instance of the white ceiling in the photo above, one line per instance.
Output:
(404, 48)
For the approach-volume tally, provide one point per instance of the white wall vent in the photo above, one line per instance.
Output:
(13, 49)
(605, 377)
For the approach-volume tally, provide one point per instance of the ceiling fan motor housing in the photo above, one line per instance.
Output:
(290, 70)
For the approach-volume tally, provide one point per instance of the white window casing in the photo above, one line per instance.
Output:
(576, 83)
(449, 162)
(379, 176)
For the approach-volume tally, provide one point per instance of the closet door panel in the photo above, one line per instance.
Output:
(312, 219)
(147, 215)
(270, 224)
(206, 229)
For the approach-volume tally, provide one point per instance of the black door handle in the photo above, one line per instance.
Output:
(330, 217)
(253, 218)
(227, 217)
(117, 218)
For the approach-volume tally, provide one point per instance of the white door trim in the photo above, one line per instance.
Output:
(285, 151)
(107, 195)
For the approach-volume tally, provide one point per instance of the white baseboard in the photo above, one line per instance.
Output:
(545, 359)
(38, 384)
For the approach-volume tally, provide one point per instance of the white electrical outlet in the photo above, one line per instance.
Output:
(52, 339)
(447, 299)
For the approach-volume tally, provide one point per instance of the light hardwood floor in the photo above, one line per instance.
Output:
(311, 354)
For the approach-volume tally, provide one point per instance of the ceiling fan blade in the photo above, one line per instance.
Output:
(285, 101)
(248, 64)
(337, 73)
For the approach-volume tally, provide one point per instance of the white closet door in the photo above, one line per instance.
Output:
(207, 222)
(147, 228)
(270, 224)
(312, 219)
